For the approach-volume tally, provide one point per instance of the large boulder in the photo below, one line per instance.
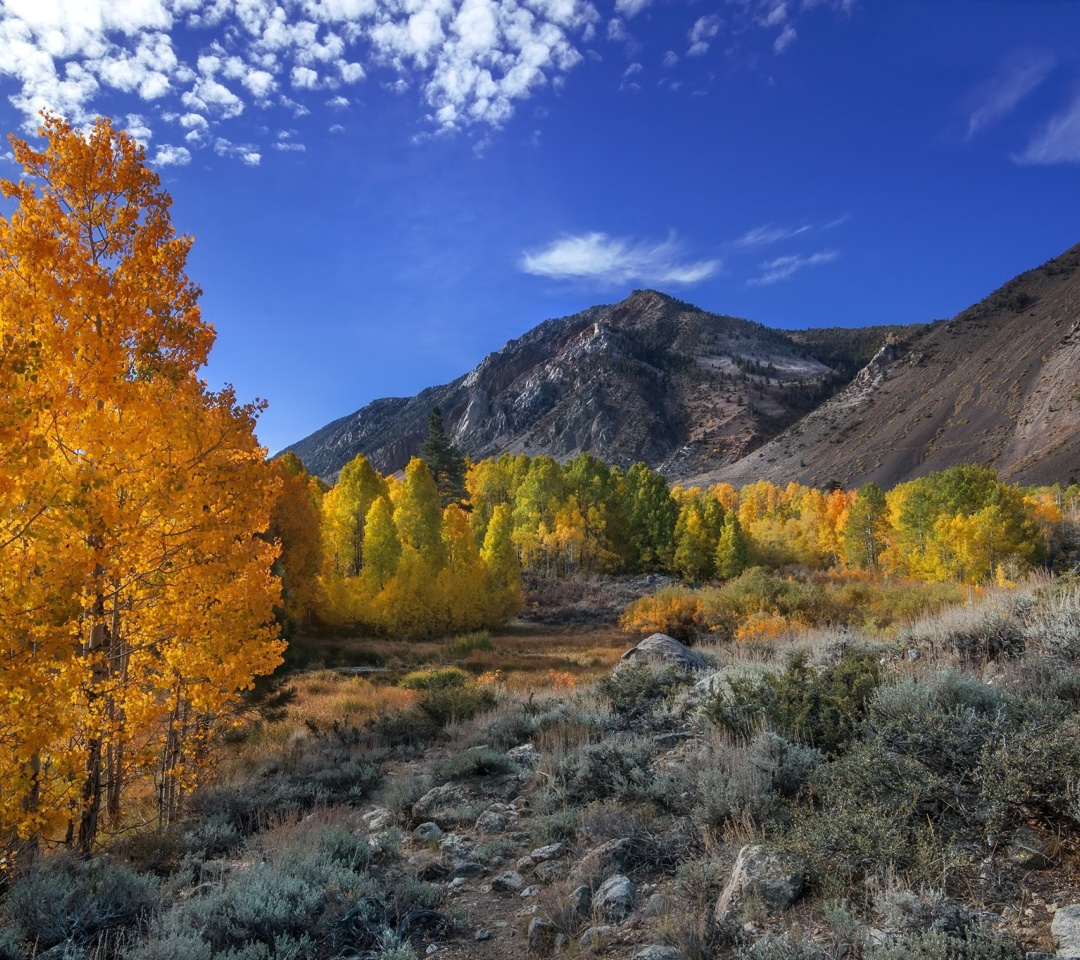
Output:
(776, 880)
(1065, 929)
(661, 651)
(615, 898)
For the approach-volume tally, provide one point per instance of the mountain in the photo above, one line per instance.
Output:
(999, 384)
(650, 378)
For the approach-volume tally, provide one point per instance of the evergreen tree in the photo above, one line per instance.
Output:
(445, 461)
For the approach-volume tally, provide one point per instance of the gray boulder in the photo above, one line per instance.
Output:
(657, 952)
(778, 881)
(660, 650)
(615, 898)
(594, 937)
(1066, 930)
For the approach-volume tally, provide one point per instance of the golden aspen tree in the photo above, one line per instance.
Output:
(383, 548)
(461, 583)
(503, 569)
(345, 509)
(135, 592)
(418, 513)
(295, 524)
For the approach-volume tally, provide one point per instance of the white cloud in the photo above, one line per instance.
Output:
(786, 39)
(1059, 141)
(765, 235)
(1019, 77)
(245, 152)
(611, 261)
(338, 103)
(473, 61)
(136, 126)
(670, 58)
(781, 268)
(630, 8)
(704, 29)
(170, 156)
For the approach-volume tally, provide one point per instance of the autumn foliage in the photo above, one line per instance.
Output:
(135, 593)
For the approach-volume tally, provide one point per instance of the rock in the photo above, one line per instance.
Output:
(466, 868)
(657, 952)
(1027, 851)
(433, 871)
(509, 882)
(456, 845)
(427, 831)
(581, 900)
(527, 755)
(594, 937)
(542, 934)
(458, 883)
(547, 872)
(525, 864)
(551, 852)
(378, 819)
(482, 934)
(1066, 930)
(776, 880)
(660, 650)
(436, 801)
(615, 898)
(654, 906)
(490, 822)
(608, 858)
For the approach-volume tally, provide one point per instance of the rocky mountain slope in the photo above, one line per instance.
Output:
(999, 384)
(650, 378)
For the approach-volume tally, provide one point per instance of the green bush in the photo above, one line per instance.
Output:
(478, 762)
(441, 678)
(469, 643)
(636, 692)
(617, 767)
(62, 898)
(822, 708)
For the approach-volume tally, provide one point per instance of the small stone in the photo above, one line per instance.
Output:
(525, 864)
(615, 898)
(378, 819)
(542, 934)
(509, 882)
(432, 948)
(605, 860)
(456, 845)
(547, 872)
(1027, 851)
(529, 892)
(594, 937)
(527, 755)
(482, 934)
(490, 822)
(581, 900)
(427, 831)
(657, 952)
(777, 880)
(551, 852)
(456, 884)
(654, 906)
(466, 868)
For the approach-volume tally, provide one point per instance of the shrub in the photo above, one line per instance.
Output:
(991, 630)
(616, 767)
(637, 691)
(438, 706)
(469, 643)
(441, 678)
(823, 708)
(62, 898)
(675, 611)
(478, 762)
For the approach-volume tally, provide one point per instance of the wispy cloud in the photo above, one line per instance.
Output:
(1059, 141)
(702, 33)
(765, 235)
(1020, 76)
(773, 271)
(612, 261)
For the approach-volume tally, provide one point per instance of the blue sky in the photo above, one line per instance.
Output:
(383, 191)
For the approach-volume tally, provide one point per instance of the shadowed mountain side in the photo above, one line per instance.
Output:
(650, 378)
(999, 385)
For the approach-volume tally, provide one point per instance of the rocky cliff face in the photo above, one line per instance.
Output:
(650, 378)
(999, 384)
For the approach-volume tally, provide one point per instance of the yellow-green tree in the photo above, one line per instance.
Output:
(345, 509)
(135, 593)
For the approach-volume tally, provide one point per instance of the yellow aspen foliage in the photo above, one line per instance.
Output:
(503, 571)
(418, 513)
(383, 548)
(136, 595)
(462, 582)
(344, 512)
(294, 523)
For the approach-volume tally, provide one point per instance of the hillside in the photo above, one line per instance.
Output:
(650, 378)
(997, 384)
